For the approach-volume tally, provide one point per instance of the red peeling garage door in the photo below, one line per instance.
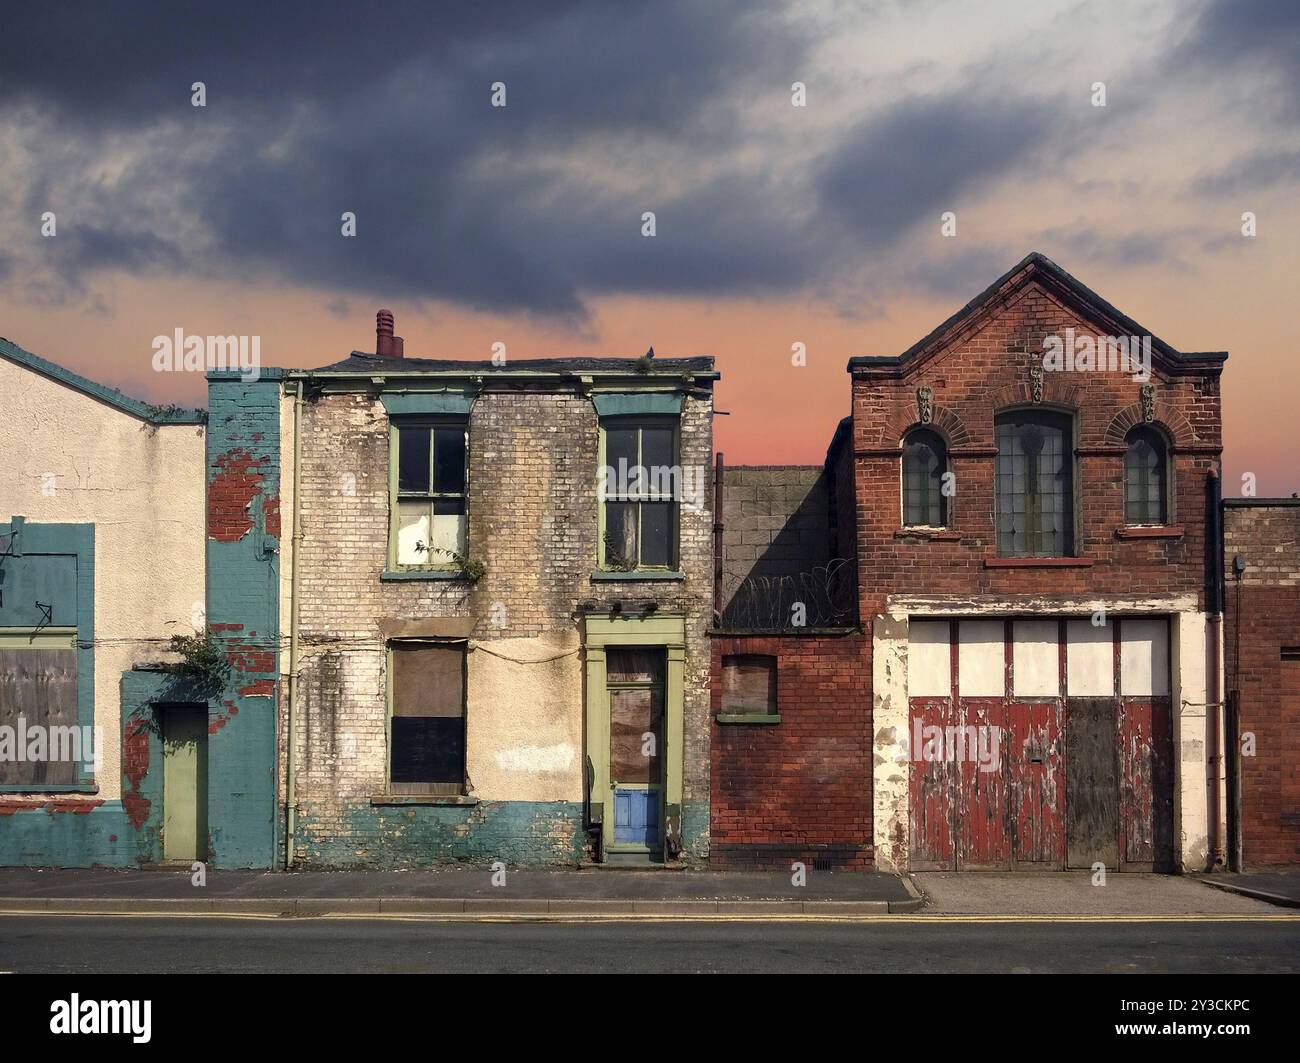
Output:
(1040, 743)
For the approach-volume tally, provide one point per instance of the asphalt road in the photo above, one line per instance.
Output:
(70, 944)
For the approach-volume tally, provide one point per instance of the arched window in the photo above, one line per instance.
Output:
(1146, 478)
(1035, 484)
(925, 460)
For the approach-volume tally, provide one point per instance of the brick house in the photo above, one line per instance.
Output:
(498, 652)
(1034, 656)
(1261, 556)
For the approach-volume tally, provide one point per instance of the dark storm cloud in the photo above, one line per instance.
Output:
(315, 109)
(925, 157)
(1252, 173)
(1259, 36)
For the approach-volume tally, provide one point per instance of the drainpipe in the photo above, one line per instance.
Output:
(718, 469)
(290, 790)
(1214, 596)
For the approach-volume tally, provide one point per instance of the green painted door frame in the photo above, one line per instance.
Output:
(658, 632)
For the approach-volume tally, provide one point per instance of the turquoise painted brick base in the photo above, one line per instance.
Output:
(520, 833)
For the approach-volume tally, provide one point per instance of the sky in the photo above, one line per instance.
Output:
(774, 224)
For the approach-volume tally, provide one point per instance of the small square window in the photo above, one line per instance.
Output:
(749, 685)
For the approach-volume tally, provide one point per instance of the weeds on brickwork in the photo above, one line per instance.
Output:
(469, 567)
(201, 655)
(613, 558)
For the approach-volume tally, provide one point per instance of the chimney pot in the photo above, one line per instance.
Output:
(386, 344)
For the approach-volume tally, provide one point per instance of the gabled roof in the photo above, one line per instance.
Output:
(1036, 266)
(371, 365)
(109, 396)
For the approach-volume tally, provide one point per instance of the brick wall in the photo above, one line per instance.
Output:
(1262, 615)
(799, 789)
(971, 380)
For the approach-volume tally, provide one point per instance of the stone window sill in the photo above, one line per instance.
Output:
(79, 789)
(459, 800)
(748, 717)
(403, 574)
(635, 576)
(1149, 531)
(1038, 562)
(937, 535)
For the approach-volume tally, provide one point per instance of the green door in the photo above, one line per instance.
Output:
(185, 782)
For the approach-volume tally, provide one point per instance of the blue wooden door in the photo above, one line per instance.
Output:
(636, 816)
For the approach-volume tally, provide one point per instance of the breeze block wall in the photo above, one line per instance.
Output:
(1262, 636)
(532, 520)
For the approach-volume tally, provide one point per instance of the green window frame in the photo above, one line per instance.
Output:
(638, 517)
(428, 489)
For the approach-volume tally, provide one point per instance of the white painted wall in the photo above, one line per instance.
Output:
(142, 486)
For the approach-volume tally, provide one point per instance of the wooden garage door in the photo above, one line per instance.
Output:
(1040, 743)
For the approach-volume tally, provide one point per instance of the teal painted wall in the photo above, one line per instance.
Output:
(243, 573)
(397, 836)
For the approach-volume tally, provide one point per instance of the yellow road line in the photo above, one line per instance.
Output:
(543, 917)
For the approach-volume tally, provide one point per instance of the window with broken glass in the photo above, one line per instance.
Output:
(428, 478)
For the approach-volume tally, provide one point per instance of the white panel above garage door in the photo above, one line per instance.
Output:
(1089, 659)
(929, 659)
(981, 658)
(1036, 659)
(1144, 657)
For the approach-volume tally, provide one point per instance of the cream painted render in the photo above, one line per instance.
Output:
(1188, 631)
(142, 486)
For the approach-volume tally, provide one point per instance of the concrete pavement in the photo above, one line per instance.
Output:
(454, 892)
(1072, 893)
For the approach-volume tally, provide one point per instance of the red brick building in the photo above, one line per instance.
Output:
(1029, 674)
(1262, 636)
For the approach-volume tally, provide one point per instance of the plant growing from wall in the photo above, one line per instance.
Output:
(614, 558)
(201, 656)
(469, 567)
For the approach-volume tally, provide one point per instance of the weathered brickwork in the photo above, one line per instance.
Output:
(532, 521)
(797, 790)
(986, 359)
(1262, 621)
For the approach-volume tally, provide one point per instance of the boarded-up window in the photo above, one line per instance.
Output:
(748, 684)
(426, 738)
(635, 678)
(38, 710)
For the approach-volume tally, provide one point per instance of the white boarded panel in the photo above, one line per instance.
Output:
(1089, 659)
(981, 659)
(1144, 657)
(929, 659)
(1036, 663)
